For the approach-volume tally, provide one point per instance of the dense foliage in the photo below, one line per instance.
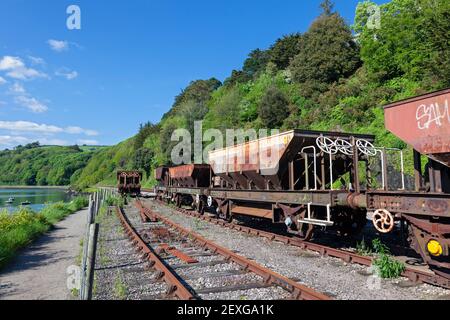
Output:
(331, 77)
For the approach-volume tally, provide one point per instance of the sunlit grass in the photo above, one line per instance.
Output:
(20, 228)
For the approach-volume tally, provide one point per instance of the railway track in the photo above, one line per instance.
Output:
(413, 274)
(193, 267)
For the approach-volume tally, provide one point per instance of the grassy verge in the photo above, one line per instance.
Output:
(19, 229)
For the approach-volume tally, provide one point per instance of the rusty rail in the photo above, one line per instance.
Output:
(176, 287)
(349, 257)
(297, 290)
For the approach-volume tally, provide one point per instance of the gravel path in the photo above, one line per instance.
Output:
(39, 272)
(325, 274)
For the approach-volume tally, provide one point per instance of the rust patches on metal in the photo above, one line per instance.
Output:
(145, 217)
(177, 253)
(161, 232)
(424, 123)
(190, 175)
(438, 206)
(176, 287)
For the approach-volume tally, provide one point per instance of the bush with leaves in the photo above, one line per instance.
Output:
(273, 108)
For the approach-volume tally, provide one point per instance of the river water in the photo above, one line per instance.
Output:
(37, 197)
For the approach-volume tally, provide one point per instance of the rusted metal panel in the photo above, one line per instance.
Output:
(129, 174)
(190, 175)
(252, 211)
(264, 162)
(437, 205)
(334, 198)
(261, 154)
(160, 173)
(424, 123)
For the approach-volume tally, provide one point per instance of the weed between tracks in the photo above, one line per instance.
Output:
(386, 266)
(120, 289)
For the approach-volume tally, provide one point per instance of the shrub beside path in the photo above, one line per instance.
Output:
(39, 272)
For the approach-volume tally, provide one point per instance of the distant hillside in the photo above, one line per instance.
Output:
(43, 165)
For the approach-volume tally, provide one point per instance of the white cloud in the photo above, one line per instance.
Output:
(31, 103)
(17, 88)
(17, 69)
(36, 60)
(26, 126)
(2, 81)
(87, 142)
(53, 142)
(58, 45)
(9, 63)
(66, 73)
(78, 130)
(12, 140)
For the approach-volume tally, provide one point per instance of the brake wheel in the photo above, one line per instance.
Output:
(383, 221)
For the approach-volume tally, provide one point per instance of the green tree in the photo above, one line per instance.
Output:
(145, 130)
(224, 111)
(273, 108)
(198, 91)
(143, 160)
(284, 50)
(327, 52)
(327, 7)
(412, 40)
(256, 63)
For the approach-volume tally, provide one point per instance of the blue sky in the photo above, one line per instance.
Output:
(128, 61)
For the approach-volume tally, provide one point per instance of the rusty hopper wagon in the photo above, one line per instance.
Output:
(422, 122)
(301, 178)
(310, 179)
(129, 182)
(188, 182)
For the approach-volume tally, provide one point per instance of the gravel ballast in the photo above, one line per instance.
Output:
(329, 275)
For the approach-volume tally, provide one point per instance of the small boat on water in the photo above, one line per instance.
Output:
(25, 203)
(10, 200)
